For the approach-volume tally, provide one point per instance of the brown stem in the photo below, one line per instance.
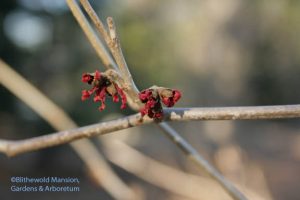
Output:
(91, 36)
(12, 148)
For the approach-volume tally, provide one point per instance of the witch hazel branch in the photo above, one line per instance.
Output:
(104, 85)
(150, 101)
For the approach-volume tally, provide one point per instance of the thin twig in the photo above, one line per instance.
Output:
(113, 43)
(118, 53)
(98, 23)
(90, 34)
(201, 162)
(233, 113)
(12, 148)
(111, 39)
(59, 120)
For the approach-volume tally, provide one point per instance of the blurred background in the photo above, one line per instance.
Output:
(229, 53)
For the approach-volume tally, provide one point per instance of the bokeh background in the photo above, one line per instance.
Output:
(218, 53)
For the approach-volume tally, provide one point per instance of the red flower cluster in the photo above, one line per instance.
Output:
(152, 103)
(102, 86)
(152, 99)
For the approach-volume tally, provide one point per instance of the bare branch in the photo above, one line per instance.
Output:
(12, 148)
(117, 52)
(90, 34)
(233, 113)
(111, 39)
(98, 23)
(103, 54)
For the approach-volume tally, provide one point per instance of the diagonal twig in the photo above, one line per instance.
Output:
(111, 39)
(91, 36)
(201, 162)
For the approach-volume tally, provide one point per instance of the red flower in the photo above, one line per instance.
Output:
(152, 98)
(170, 101)
(102, 86)
(87, 78)
(152, 103)
(145, 95)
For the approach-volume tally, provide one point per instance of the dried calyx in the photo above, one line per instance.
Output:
(152, 98)
(102, 86)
